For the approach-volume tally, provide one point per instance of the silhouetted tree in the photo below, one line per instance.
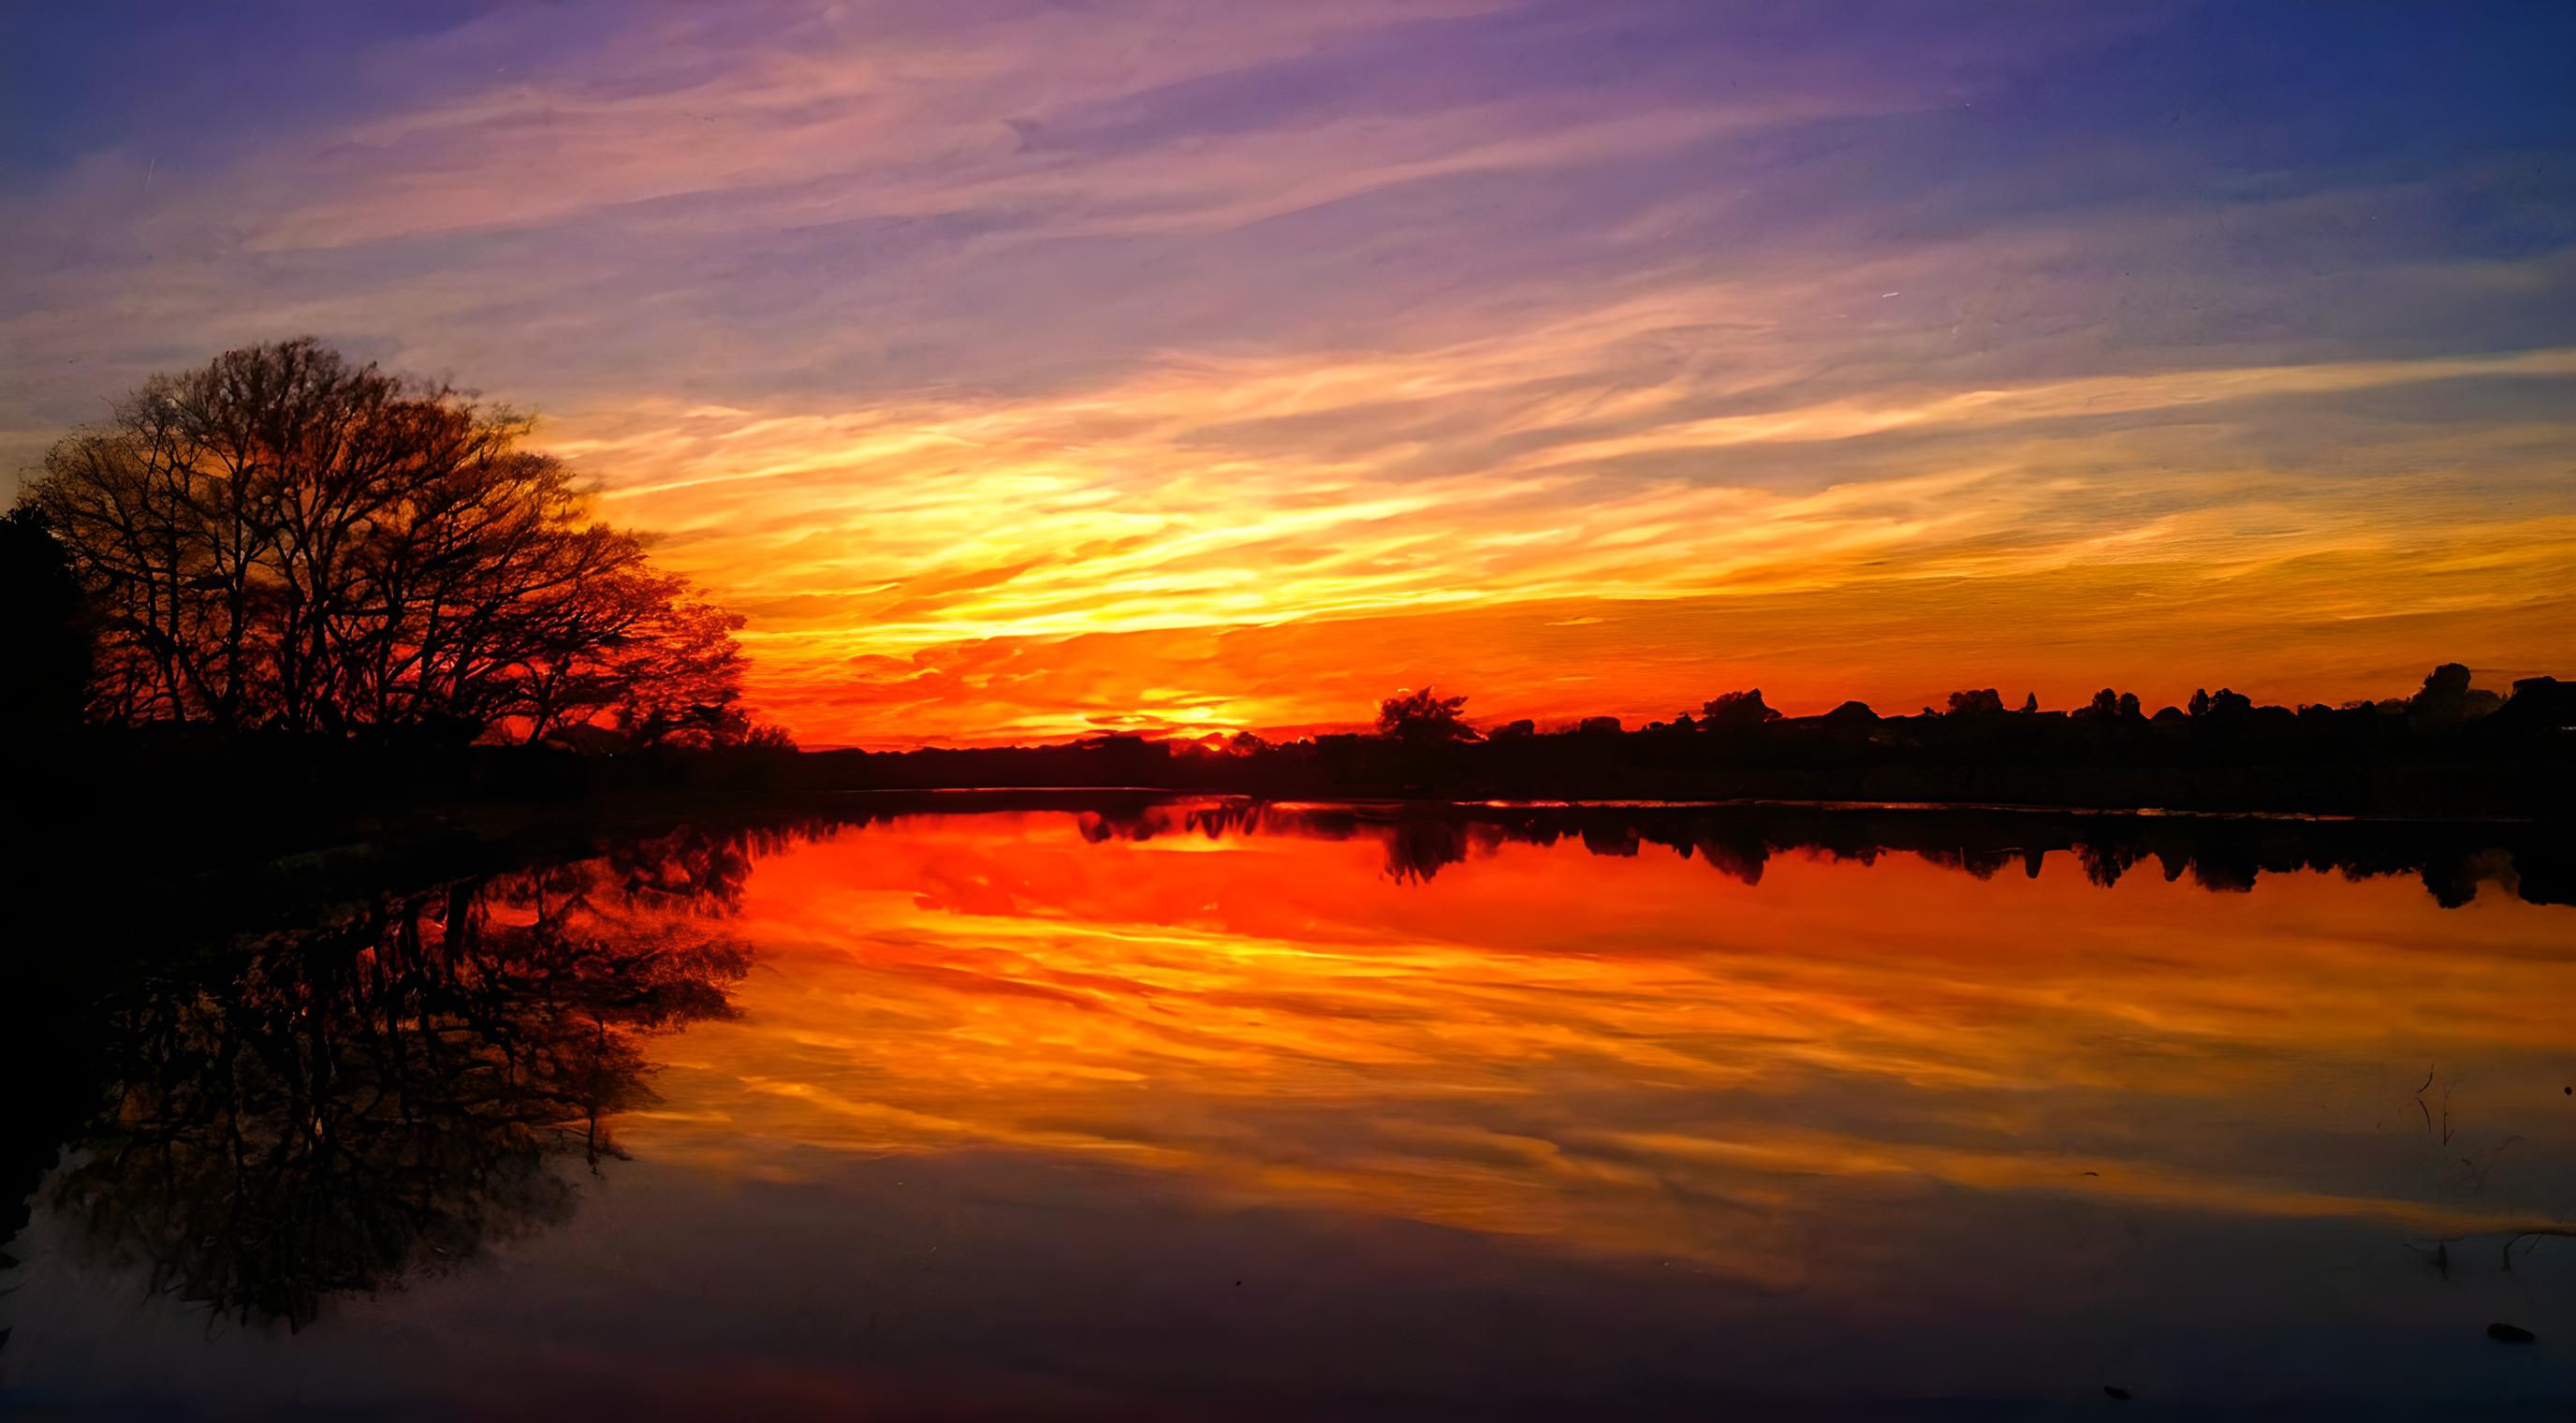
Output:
(769, 736)
(44, 633)
(1422, 717)
(1730, 709)
(2030, 704)
(1976, 702)
(2444, 688)
(2540, 704)
(2199, 702)
(2447, 698)
(284, 539)
(678, 678)
(1514, 729)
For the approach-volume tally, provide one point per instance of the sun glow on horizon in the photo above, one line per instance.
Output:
(1143, 552)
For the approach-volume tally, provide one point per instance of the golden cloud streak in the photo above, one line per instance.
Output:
(1156, 506)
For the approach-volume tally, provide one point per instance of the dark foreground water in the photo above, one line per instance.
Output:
(1201, 1110)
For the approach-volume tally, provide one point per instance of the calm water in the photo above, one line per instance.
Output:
(1197, 1111)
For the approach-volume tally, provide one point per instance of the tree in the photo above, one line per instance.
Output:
(1423, 717)
(679, 681)
(1976, 702)
(2447, 698)
(770, 736)
(44, 634)
(2540, 704)
(283, 539)
(2199, 701)
(1732, 709)
(2444, 688)
(2030, 704)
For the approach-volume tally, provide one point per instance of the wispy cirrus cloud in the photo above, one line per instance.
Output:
(963, 339)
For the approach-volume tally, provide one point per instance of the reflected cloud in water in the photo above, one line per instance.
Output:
(1026, 1073)
(1526, 1021)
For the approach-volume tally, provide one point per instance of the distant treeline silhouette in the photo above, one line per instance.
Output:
(285, 541)
(2447, 749)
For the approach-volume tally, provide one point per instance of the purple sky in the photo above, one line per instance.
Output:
(937, 335)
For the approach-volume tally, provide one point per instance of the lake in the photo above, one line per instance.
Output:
(1137, 1108)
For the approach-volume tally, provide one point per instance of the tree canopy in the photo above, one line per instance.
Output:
(1423, 716)
(1737, 709)
(1977, 701)
(284, 539)
(43, 640)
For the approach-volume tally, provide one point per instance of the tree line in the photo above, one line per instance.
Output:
(287, 540)
(2446, 699)
(2450, 749)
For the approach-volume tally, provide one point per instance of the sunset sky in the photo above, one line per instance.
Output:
(1022, 369)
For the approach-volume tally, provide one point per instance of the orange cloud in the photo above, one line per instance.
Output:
(1136, 556)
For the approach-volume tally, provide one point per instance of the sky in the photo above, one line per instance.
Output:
(1027, 368)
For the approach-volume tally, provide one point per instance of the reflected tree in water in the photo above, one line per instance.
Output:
(1731, 852)
(2104, 863)
(2219, 854)
(2226, 855)
(333, 1110)
(1419, 847)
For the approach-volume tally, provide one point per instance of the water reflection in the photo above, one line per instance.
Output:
(1499, 1102)
(2222, 853)
(332, 1109)
(1616, 1047)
